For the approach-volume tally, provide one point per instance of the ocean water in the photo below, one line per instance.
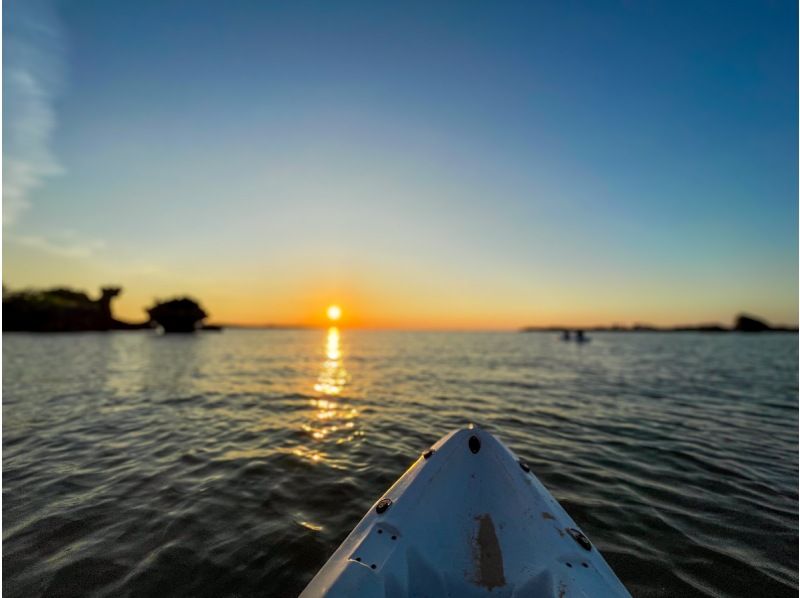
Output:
(233, 464)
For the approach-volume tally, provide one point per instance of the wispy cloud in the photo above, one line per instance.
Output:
(32, 73)
(63, 244)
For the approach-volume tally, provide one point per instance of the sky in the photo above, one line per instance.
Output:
(483, 165)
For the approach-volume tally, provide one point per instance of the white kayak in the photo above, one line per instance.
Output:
(467, 519)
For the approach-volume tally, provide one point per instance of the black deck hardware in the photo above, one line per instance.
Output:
(474, 444)
(383, 504)
(580, 538)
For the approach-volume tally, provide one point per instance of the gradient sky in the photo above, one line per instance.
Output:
(425, 165)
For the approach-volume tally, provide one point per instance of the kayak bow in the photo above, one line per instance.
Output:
(467, 519)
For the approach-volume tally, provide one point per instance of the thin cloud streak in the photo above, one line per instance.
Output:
(67, 246)
(32, 75)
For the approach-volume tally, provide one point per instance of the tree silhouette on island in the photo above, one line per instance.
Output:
(178, 315)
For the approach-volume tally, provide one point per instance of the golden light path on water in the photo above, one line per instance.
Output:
(332, 415)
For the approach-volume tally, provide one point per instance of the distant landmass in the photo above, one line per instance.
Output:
(68, 310)
(742, 323)
(63, 309)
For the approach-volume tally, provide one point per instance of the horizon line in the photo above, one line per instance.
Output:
(705, 327)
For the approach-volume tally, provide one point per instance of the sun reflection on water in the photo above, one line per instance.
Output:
(332, 417)
(333, 377)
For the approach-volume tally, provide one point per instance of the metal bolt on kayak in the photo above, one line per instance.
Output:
(467, 527)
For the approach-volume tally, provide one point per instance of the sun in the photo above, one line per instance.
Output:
(334, 313)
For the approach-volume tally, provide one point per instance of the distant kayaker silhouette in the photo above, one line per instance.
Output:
(580, 338)
(565, 335)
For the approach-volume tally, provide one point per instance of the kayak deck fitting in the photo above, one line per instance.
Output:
(466, 519)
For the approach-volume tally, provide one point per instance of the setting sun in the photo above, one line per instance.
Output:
(334, 312)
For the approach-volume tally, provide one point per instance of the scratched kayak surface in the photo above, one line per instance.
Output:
(467, 519)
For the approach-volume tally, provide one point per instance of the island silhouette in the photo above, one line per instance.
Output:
(66, 310)
(742, 323)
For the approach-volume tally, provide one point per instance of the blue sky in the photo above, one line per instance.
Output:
(468, 164)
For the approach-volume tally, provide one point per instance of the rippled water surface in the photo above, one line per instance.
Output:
(233, 464)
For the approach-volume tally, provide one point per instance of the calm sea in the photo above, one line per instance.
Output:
(233, 464)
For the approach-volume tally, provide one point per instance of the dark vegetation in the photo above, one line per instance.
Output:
(177, 315)
(67, 310)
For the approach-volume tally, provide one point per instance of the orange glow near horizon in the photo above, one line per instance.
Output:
(388, 306)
